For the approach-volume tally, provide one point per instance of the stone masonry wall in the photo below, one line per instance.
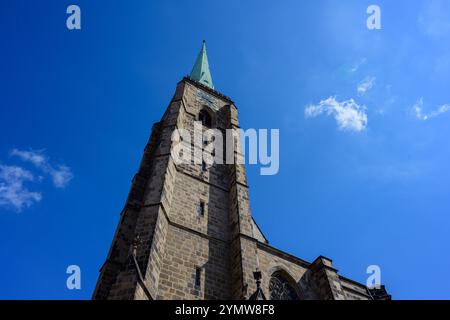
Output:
(164, 243)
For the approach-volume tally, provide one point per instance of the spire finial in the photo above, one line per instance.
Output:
(200, 72)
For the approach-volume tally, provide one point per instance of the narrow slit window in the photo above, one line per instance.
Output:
(201, 209)
(198, 277)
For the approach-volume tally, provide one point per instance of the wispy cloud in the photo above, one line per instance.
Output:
(391, 171)
(60, 174)
(366, 85)
(13, 193)
(418, 110)
(358, 64)
(348, 114)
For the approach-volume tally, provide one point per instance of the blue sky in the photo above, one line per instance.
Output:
(360, 192)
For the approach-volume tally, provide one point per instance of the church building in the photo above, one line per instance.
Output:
(186, 231)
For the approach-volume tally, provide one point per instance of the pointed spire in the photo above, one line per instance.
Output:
(200, 72)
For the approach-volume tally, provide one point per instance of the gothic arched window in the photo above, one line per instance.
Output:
(281, 289)
(205, 118)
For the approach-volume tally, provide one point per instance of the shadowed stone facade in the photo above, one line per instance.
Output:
(164, 249)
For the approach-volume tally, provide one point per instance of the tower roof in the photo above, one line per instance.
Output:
(200, 72)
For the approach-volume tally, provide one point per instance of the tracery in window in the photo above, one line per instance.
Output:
(281, 289)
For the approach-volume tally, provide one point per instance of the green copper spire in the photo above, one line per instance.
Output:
(201, 72)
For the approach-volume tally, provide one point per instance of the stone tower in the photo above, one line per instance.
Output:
(186, 231)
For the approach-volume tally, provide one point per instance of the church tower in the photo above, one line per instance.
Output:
(186, 231)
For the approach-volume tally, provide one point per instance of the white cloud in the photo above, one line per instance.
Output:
(366, 85)
(418, 110)
(348, 114)
(61, 174)
(12, 190)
